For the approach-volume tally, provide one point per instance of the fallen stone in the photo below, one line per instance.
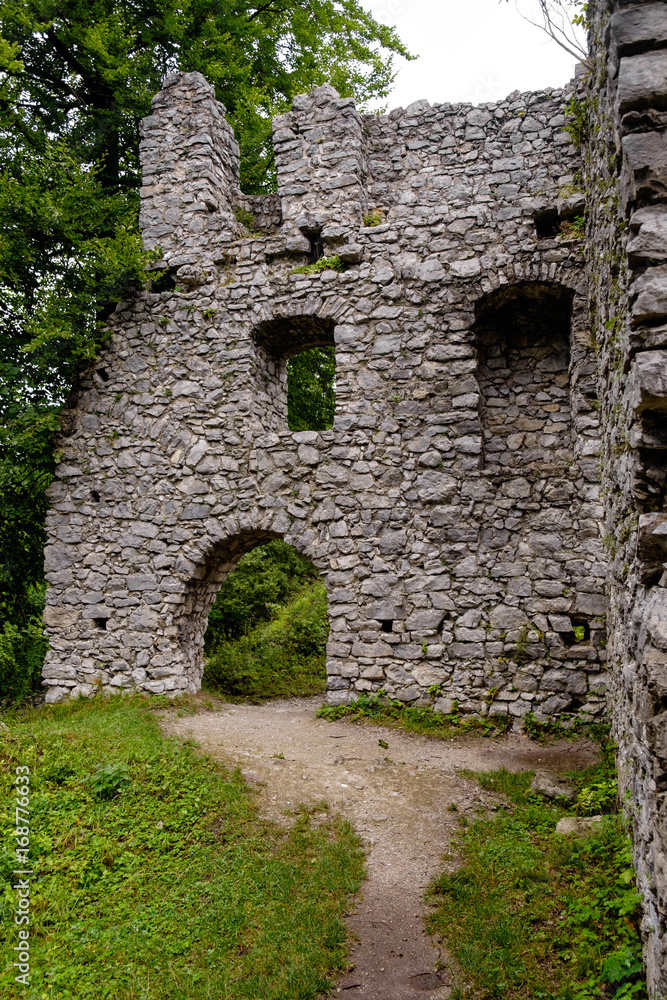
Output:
(577, 826)
(553, 786)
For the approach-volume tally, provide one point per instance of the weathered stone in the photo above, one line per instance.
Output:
(642, 81)
(649, 228)
(553, 786)
(645, 172)
(639, 27)
(577, 826)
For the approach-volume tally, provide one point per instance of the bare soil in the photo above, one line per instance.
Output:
(404, 800)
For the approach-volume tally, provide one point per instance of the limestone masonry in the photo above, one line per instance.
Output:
(497, 468)
(453, 510)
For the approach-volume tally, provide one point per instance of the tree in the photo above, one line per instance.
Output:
(311, 389)
(76, 78)
(560, 20)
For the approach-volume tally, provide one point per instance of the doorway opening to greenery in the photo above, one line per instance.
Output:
(268, 628)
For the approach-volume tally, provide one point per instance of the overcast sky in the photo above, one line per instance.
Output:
(470, 50)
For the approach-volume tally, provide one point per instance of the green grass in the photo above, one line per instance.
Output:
(384, 711)
(333, 263)
(391, 712)
(154, 877)
(532, 915)
(278, 659)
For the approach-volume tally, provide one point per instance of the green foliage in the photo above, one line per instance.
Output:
(574, 229)
(246, 218)
(333, 263)
(418, 719)
(285, 657)
(533, 915)
(109, 780)
(268, 576)
(565, 728)
(22, 649)
(87, 69)
(174, 888)
(576, 120)
(311, 389)
(374, 218)
(598, 797)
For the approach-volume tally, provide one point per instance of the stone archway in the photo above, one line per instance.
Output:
(199, 594)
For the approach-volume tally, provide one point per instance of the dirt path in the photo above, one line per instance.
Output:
(400, 799)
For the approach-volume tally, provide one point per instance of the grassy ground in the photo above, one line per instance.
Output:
(154, 877)
(283, 657)
(391, 712)
(531, 915)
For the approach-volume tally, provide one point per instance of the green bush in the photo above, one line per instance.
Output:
(530, 914)
(286, 656)
(270, 575)
(22, 650)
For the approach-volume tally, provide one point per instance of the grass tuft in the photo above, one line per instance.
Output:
(417, 719)
(333, 263)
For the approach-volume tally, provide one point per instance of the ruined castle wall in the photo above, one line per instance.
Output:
(453, 509)
(625, 116)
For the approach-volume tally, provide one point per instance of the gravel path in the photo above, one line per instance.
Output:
(400, 799)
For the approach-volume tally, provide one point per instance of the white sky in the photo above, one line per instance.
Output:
(470, 50)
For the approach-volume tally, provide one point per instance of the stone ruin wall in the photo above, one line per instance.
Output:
(452, 510)
(626, 179)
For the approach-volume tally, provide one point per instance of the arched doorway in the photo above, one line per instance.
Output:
(268, 627)
(265, 635)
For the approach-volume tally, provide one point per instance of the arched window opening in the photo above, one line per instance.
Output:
(267, 628)
(524, 351)
(300, 360)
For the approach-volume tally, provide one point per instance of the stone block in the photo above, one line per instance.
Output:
(426, 619)
(466, 650)
(639, 27)
(642, 81)
(645, 167)
(577, 826)
(649, 234)
(444, 705)
(591, 604)
(504, 616)
(436, 487)
(59, 617)
(552, 785)
(560, 623)
(647, 381)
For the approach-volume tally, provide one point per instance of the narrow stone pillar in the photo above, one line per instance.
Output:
(321, 165)
(190, 166)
